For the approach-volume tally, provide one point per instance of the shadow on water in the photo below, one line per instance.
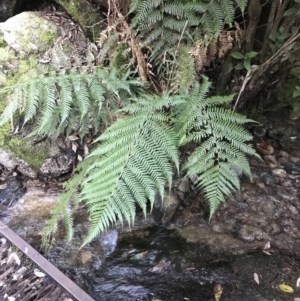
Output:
(157, 264)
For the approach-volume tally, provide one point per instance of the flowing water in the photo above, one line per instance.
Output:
(154, 263)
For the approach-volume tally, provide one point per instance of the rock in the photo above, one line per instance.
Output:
(267, 179)
(219, 243)
(184, 185)
(57, 166)
(167, 207)
(26, 39)
(11, 163)
(28, 33)
(12, 193)
(271, 158)
(251, 233)
(293, 210)
(284, 154)
(281, 173)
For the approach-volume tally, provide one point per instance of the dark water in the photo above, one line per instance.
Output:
(191, 271)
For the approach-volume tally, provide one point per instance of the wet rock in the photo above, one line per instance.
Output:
(251, 233)
(285, 243)
(167, 207)
(12, 193)
(293, 168)
(267, 179)
(184, 185)
(14, 163)
(217, 242)
(55, 167)
(278, 172)
(108, 241)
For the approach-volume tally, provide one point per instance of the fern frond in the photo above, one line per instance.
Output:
(131, 163)
(228, 10)
(69, 101)
(242, 4)
(65, 98)
(34, 94)
(223, 144)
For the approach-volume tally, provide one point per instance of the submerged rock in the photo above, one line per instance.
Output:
(166, 208)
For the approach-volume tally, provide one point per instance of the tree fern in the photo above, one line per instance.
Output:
(222, 143)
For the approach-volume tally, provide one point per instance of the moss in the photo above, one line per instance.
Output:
(2, 42)
(47, 37)
(23, 148)
(86, 15)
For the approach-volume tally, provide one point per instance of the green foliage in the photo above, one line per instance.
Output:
(222, 143)
(161, 24)
(246, 59)
(131, 163)
(136, 153)
(67, 102)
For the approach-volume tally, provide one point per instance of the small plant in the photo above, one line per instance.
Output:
(245, 59)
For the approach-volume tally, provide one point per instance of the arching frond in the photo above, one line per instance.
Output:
(223, 144)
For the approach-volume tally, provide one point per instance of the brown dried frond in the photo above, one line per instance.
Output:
(217, 48)
(199, 53)
(212, 49)
(225, 43)
(104, 34)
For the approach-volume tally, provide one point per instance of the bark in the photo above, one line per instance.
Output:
(279, 14)
(254, 12)
(269, 29)
(260, 76)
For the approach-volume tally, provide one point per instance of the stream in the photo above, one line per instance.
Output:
(153, 263)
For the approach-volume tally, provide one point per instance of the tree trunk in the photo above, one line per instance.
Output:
(254, 11)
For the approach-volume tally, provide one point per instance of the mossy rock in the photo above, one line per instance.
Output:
(88, 17)
(24, 40)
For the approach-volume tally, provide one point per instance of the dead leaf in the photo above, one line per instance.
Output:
(73, 138)
(267, 245)
(298, 282)
(38, 273)
(139, 256)
(256, 279)
(218, 292)
(86, 256)
(286, 288)
(159, 267)
(264, 148)
(14, 257)
(266, 252)
(74, 147)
